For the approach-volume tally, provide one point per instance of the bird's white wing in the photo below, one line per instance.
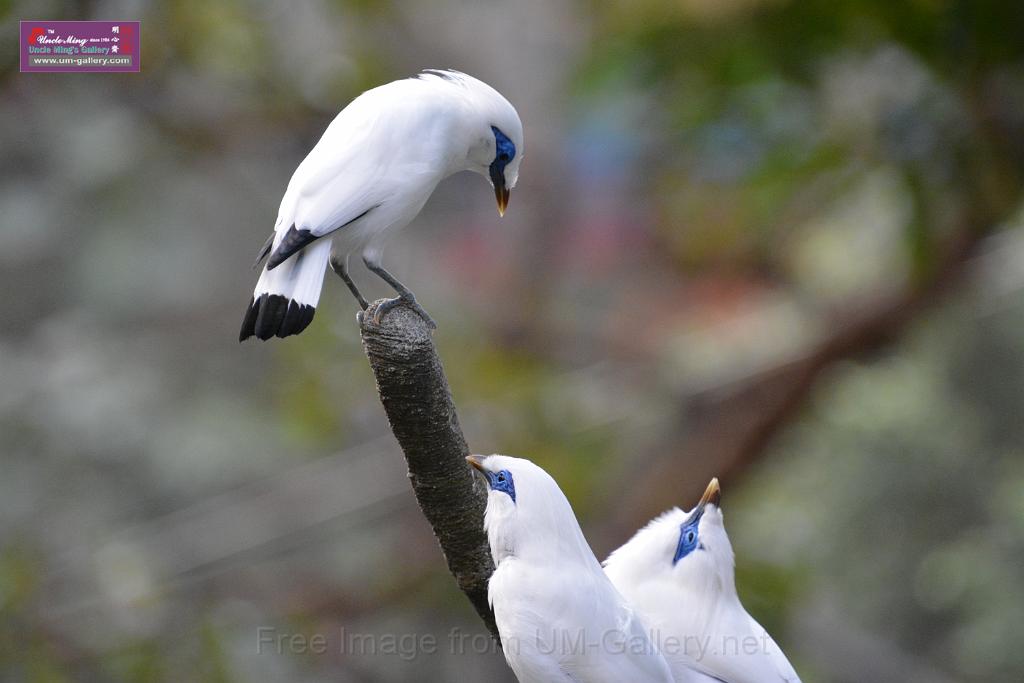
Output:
(739, 650)
(337, 183)
(379, 146)
(624, 650)
(346, 174)
(370, 160)
(341, 177)
(684, 670)
(570, 627)
(774, 654)
(527, 639)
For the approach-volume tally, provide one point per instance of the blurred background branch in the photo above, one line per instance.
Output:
(726, 429)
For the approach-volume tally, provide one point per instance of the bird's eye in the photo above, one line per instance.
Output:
(501, 477)
(503, 156)
(690, 536)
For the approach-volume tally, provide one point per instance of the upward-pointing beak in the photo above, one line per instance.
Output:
(712, 494)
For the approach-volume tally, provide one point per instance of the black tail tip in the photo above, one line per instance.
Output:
(274, 315)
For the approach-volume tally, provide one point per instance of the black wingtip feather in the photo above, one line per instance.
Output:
(273, 315)
(249, 321)
(272, 310)
(292, 320)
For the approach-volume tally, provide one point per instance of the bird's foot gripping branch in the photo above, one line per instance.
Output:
(381, 307)
(418, 403)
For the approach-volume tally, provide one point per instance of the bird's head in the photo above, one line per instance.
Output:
(684, 547)
(527, 513)
(495, 135)
(503, 171)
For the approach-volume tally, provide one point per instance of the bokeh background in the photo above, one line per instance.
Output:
(773, 240)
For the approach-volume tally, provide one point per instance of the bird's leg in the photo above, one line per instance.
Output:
(405, 295)
(340, 266)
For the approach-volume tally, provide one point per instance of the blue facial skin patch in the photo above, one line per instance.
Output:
(688, 537)
(504, 152)
(502, 481)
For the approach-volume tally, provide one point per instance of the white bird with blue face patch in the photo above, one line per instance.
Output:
(368, 176)
(679, 571)
(559, 617)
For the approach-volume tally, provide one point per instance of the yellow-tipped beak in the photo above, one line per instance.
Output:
(476, 462)
(712, 494)
(501, 193)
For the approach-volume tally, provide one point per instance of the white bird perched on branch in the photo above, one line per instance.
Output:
(369, 175)
(559, 617)
(679, 573)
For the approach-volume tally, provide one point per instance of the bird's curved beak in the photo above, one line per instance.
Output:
(477, 463)
(712, 494)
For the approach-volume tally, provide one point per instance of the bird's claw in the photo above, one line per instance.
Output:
(409, 300)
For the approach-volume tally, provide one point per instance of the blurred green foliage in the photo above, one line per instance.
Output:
(923, 88)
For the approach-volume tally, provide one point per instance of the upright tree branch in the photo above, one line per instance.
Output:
(419, 406)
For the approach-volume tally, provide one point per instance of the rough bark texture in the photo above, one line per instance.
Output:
(419, 406)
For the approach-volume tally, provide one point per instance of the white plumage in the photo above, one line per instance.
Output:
(559, 616)
(370, 174)
(679, 572)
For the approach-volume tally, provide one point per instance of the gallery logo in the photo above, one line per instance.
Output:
(111, 46)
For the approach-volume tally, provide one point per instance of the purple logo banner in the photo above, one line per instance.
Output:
(79, 46)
